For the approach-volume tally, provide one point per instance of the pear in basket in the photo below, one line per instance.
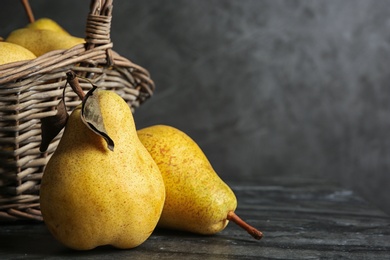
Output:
(47, 24)
(10, 52)
(42, 36)
(94, 194)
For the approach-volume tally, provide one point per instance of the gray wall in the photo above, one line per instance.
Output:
(267, 88)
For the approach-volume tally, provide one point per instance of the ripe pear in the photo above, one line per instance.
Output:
(92, 196)
(10, 52)
(47, 24)
(40, 42)
(197, 199)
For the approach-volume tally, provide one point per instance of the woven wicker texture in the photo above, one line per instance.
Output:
(31, 90)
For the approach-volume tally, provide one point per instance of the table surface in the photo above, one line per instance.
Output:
(300, 219)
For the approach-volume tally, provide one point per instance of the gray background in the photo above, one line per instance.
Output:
(266, 88)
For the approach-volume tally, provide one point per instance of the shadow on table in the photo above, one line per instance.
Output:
(35, 241)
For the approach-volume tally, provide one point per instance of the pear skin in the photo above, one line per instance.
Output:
(40, 42)
(10, 52)
(45, 23)
(91, 196)
(197, 200)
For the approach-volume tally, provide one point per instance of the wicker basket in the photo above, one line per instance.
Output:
(31, 90)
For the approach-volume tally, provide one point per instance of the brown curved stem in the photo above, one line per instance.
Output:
(257, 234)
(29, 11)
(71, 77)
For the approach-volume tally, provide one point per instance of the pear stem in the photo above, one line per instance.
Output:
(71, 78)
(257, 234)
(29, 11)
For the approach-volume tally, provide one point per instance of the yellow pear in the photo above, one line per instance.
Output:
(197, 199)
(47, 24)
(10, 52)
(40, 42)
(92, 196)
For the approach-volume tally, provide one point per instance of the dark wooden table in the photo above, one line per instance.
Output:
(300, 218)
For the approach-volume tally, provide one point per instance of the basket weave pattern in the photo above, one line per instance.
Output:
(31, 90)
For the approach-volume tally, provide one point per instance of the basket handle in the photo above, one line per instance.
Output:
(99, 23)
